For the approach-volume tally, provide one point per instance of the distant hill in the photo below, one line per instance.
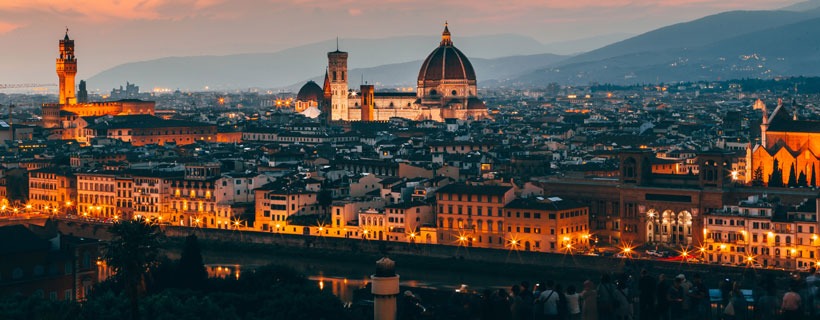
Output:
(803, 6)
(273, 70)
(576, 46)
(729, 45)
(735, 44)
(696, 33)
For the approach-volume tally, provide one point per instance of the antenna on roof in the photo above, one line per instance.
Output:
(337, 43)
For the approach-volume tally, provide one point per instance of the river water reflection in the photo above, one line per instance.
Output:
(343, 278)
(343, 286)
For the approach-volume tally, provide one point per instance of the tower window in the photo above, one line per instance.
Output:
(334, 76)
(454, 92)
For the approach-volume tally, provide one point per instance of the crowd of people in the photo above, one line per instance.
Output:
(643, 297)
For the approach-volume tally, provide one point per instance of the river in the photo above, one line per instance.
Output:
(343, 278)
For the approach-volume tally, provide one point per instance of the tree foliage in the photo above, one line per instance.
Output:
(131, 253)
(757, 177)
(191, 270)
(19, 307)
(792, 177)
(776, 178)
(802, 180)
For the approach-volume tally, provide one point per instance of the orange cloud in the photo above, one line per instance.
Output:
(7, 26)
(102, 10)
(491, 10)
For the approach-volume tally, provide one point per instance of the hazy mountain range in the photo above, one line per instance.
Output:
(736, 44)
(384, 60)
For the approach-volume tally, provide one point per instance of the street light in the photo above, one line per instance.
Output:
(237, 223)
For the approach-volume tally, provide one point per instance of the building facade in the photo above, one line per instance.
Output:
(789, 150)
(760, 231)
(446, 88)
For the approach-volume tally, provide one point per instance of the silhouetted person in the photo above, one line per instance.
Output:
(647, 287)
(662, 305)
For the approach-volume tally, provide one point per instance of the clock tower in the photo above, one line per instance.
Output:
(67, 70)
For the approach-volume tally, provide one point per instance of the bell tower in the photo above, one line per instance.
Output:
(337, 73)
(67, 70)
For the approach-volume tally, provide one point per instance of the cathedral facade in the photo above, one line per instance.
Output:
(446, 88)
(788, 153)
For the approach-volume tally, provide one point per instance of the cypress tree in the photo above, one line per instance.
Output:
(776, 178)
(793, 177)
(757, 177)
(191, 270)
(802, 181)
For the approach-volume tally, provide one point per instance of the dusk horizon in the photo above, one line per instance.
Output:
(140, 31)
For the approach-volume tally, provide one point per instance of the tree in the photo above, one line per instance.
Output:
(191, 270)
(131, 252)
(802, 180)
(324, 198)
(776, 178)
(757, 177)
(793, 177)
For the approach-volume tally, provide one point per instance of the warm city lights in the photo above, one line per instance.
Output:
(595, 153)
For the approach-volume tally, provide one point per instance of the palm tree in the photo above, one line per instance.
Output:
(130, 254)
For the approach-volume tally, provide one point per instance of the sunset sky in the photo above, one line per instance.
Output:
(112, 32)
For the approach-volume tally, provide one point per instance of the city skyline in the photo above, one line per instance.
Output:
(136, 31)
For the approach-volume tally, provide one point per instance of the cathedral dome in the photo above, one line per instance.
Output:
(310, 92)
(446, 63)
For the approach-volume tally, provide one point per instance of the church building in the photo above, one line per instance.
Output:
(446, 88)
(789, 150)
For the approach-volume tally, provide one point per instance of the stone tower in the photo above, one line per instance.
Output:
(67, 70)
(82, 93)
(368, 104)
(337, 72)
